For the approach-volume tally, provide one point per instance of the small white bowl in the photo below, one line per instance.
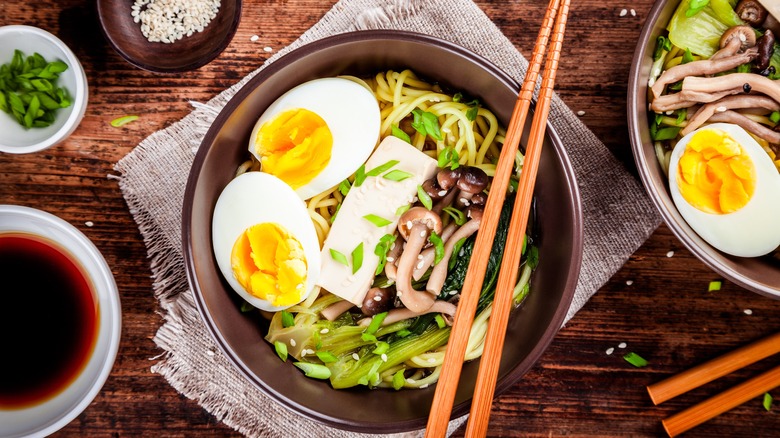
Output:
(51, 415)
(16, 139)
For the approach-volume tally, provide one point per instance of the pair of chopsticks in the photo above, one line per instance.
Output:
(441, 409)
(714, 369)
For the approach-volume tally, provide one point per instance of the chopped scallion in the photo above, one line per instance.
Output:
(366, 337)
(314, 370)
(402, 209)
(403, 333)
(357, 257)
(281, 350)
(376, 322)
(398, 380)
(440, 321)
(397, 175)
(327, 356)
(775, 117)
(377, 220)
(767, 402)
(382, 168)
(424, 198)
(381, 348)
(635, 360)
(121, 121)
(456, 214)
(399, 133)
(438, 247)
(344, 187)
(714, 286)
(287, 319)
(449, 158)
(339, 257)
(360, 175)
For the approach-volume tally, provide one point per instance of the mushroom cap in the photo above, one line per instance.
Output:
(479, 199)
(447, 178)
(751, 12)
(472, 180)
(745, 34)
(475, 211)
(766, 45)
(432, 188)
(419, 215)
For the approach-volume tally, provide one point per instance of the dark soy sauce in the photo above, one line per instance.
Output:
(48, 320)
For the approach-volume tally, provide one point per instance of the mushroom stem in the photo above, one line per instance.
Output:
(429, 254)
(416, 301)
(391, 270)
(336, 309)
(729, 103)
(401, 313)
(735, 82)
(701, 68)
(748, 125)
(671, 102)
(439, 273)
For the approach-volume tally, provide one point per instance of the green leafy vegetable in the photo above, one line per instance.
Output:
(682, 114)
(281, 350)
(397, 175)
(700, 33)
(314, 370)
(357, 257)
(339, 257)
(695, 6)
(440, 321)
(424, 198)
(28, 89)
(635, 360)
(667, 133)
(377, 220)
(368, 337)
(398, 132)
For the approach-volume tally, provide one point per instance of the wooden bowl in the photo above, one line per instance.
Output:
(188, 53)
(558, 215)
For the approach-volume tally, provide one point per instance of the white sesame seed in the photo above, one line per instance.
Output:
(442, 192)
(323, 331)
(210, 352)
(420, 265)
(633, 13)
(292, 342)
(391, 259)
(629, 282)
(622, 345)
(399, 293)
(409, 224)
(580, 113)
(422, 233)
(254, 38)
(748, 312)
(267, 49)
(419, 257)
(623, 12)
(410, 381)
(89, 224)
(670, 253)
(384, 357)
(610, 350)
(721, 109)
(377, 298)
(355, 356)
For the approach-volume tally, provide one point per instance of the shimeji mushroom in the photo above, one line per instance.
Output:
(415, 225)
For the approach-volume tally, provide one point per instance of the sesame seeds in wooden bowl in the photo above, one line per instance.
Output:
(169, 36)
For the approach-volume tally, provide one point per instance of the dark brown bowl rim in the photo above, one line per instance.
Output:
(660, 196)
(460, 409)
(216, 51)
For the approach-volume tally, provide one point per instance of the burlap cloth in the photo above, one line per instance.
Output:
(618, 216)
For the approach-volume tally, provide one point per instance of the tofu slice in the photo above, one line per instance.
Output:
(376, 196)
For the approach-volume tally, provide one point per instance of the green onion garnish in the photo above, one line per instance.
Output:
(339, 257)
(287, 319)
(121, 121)
(327, 356)
(368, 337)
(399, 133)
(440, 321)
(767, 402)
(456, 214)
(438, 247)
(281, 350)
(314, 370)
(360, 175)
(376, 322)
(397, 175)
(403, 333)
(344, 187)
(402, 209)
(775, 117)
(449, 158)
(426, 123)
(357, 257)
(455, 250)
(333, 218)
(380, 169)
(473, 110)
(714, 286)
(381, 348)
(246, 307)
(635, 360)
(424, 198)
(695, 6)
(398, 380)
(381, 250)
(377, 220)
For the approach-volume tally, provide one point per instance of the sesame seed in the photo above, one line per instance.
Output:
(580, 113)
(377, 298)
(419, 257)
(423, 386)
(391, 259)
(748, 312)
(399, 293)
(355, 356)
(89, 223)
(610, 350)
(670, 253)
(268, 49)
(629, 282)
(623, 12)
(254, 38)
(384, 357)
(292, 342)
(442, 192)
(720, 109)
(410, 381)
(210, 352)
(622, 345)
(323, 331)
(409, 224)
(420, 265)
(422, 233)
(633, 13)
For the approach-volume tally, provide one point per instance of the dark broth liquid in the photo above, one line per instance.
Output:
(48, 320)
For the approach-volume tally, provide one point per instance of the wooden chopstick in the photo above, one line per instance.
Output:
(727, 400)
(449, 377)
(711, 370)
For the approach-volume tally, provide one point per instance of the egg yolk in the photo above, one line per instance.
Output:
(270, 264)
(715, 174)
(295, 146)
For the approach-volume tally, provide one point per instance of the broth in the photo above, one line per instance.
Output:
(48, 320)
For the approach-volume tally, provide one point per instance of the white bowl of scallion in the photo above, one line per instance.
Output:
(43, 90)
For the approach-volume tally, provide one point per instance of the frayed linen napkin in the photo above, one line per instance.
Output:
(618, 215)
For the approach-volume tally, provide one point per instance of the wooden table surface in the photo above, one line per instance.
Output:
(656, 304)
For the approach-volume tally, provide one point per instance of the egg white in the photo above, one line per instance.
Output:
(351, 112)
(253, 198)
(751, 231)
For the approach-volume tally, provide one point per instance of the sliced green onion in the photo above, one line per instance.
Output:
(449, 158)
(360, 175)
(455, 250)
(767, 402)
(397, 175)
(438, 247)
(380, 169)
(377, 220)
(339, 257)
(402, 209)
(456, 214)
(665, 133)
(327, 356)
(687, 56)
(314, 370)
(662, 44)
(533, 256)
(246, 307)
(398, 380)
(457, 97)
(635, 360)
(426, 123)
(775, 117)
(403, 333)
(472, 112)
(366, 337)
(440, 321)
(682, 114)
(281, 350)
(381, 249)
(357, 257)
(344, 187)
(335, 213)
(124, 120)
(287, 319)
(381, 348)
(376, 322)
(399, 133)
(714, 286)
(424, 198)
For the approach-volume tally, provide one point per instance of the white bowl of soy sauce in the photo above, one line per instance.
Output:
(60, 322)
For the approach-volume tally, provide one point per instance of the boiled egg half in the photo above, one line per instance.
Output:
(317, 134)
(264, 242)
(727, 189)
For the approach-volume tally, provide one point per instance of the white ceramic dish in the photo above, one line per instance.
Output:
(48, 417)
(14, 138)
